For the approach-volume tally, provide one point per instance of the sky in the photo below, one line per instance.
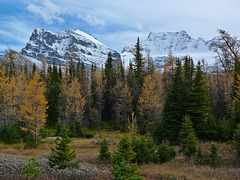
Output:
(116, 23)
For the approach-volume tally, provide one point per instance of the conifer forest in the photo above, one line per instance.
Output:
(183, 114)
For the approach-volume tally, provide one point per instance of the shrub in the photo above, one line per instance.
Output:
(211, 158)
(144, 149)
(126, 171)
(88, 135)
(76, 129)
(61, 155)
(32, 169)
(30, 142)
(164, 153)
(104, 151)
(43, 132)
(10, 134)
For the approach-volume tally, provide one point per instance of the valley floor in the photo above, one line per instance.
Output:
(14, 157)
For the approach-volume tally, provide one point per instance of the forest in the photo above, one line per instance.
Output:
(162, 112)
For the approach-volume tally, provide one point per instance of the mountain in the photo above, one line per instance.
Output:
(56, 47)
(158, 45)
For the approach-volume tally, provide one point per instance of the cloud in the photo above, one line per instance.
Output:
(93, 20)
(47, 10)
(12, 28)
(138, 25)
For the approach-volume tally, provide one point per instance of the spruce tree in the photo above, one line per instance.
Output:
(173, 109)
(187, 138)
(104, 150)
(61, 155)
(125, 152)
(110, 78)
(53, 95)
(139, 64)
(199, 107)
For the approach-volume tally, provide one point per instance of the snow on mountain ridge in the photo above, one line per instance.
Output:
(55, 47)
(158, 45)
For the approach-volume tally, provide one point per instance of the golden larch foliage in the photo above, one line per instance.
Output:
(151, 100)
(75, 102)
(33, 110)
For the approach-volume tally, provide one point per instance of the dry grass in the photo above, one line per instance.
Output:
(82, 146)
(178, 168)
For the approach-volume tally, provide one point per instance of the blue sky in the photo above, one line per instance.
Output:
(116, 23)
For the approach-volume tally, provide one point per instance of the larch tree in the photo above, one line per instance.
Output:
(33, 110)
(125, 106)
(4, 95)
(150, 101)
(168, 72)
(18, 93)
(75, 103)
(97, 92)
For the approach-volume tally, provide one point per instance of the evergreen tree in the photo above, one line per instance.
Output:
(110, 78)
(34, 69)
(173, 109)
(61, 155)
(199, 108)
(125, 171)
(139, 65)
(187, 138)
(53, 93)
(104, 150)
(125, 152)
(188, 72)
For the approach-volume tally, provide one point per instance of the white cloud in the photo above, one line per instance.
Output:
(93, 20)
(138, 25)
(12, 28)
(47, 10)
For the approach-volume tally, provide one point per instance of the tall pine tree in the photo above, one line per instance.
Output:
(110, 78)
(173, 109)
(199, 107)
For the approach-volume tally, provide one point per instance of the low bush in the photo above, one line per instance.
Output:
(164, 153)
(10, 134)
(126, 171)
(88, 135)
(32, 169)
(205, 158)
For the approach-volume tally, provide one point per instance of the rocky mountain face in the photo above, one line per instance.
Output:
(158, 45)
(56, 48)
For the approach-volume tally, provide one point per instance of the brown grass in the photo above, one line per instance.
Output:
(82, 146)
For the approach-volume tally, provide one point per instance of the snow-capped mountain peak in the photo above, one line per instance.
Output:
(55, 46)
(179, 43)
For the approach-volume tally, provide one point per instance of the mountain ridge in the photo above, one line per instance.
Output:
(180, 44)
(55, 47)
